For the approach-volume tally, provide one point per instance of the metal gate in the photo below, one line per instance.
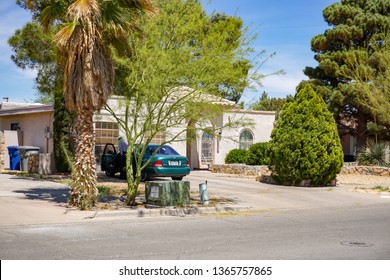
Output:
(207, 149)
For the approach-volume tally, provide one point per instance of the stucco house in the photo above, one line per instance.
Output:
(206, 149)
(25, 124)
(32, 125)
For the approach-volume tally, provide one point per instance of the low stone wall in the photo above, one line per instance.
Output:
(261, 171)
(33, 164)
(241, 169)
(40, 164)
(366, 170)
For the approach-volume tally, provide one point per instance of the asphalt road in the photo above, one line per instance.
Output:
(284, 223)
(324, 233)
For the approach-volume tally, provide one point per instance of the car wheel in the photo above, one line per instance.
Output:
(123, 175)
(177, 178)
(145, 177)
(110, 173)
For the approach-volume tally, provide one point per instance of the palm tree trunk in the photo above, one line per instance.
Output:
(84, 192)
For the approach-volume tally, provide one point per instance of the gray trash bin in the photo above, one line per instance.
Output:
(24, 152)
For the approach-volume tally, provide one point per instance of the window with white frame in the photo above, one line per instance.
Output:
(106, 132)
(158, 139)
(246, 139)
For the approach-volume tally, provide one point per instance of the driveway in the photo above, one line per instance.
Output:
(261, 196)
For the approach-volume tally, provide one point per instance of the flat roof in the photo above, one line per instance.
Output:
(27, 109)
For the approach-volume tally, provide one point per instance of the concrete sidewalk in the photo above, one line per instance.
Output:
(28, 201)
(25, 200)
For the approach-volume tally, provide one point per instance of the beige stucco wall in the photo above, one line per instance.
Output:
(34, 129)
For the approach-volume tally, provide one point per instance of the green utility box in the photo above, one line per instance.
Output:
(168, 193)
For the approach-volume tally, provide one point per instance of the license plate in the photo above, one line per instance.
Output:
(173, 163)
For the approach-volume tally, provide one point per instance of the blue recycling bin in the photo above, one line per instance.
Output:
(14, 158)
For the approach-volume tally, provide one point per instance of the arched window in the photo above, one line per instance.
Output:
(246, 139)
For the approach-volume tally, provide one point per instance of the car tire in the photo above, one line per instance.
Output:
(110, 173)
(177, 178)
(145, 177)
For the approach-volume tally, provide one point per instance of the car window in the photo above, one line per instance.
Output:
(109, 149)
(165, 150)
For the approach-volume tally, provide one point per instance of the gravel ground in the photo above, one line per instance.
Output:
(363, 180)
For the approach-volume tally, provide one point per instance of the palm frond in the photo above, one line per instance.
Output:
(82, 9)
(141, 6)
(63, 36)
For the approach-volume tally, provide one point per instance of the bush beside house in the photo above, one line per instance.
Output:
(374, 154)
(236, 156)
(259, 154)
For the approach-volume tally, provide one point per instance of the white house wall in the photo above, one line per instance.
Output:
(263, 123)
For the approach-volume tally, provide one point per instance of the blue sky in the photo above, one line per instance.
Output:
(283, 26)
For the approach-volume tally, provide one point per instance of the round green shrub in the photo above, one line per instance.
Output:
(259, 154)
(305, 142)
(236, 156)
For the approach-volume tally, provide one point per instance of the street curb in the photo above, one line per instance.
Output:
(171, 211)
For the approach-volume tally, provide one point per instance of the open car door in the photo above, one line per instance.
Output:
(108, 160)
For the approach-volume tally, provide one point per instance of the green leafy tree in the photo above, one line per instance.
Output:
(175, 79)
(266, 103)
(305, 142)
(356, 26)
(84, 32)
(33, 49)
(370, 73)
(230, 29)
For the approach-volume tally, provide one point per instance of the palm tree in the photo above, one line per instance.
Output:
(87, 29)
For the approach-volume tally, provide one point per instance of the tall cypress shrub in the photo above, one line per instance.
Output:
(61, 135)
(305, 142)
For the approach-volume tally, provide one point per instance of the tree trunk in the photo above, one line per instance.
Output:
(84, 192)
(361, 131)
(133, 178)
